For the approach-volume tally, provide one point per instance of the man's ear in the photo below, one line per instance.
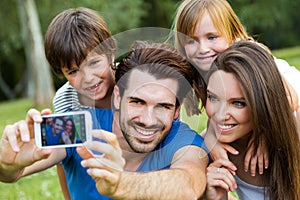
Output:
(117, 97)
(177, 112)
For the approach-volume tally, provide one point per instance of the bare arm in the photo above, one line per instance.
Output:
(186, 178)
(19, 155)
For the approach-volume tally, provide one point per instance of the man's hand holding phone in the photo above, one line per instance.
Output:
(17, 146)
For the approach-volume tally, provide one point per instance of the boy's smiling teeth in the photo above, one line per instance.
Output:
(93, 87)
(144, 132)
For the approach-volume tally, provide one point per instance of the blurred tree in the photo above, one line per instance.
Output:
(120, 15)
(12, 62)
(40, 80)
(273, 22)
(159, 13)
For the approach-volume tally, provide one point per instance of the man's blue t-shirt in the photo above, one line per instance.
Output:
(50, 138)
(82, 186)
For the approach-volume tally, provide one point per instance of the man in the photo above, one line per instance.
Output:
(145, 152)
(53, 133)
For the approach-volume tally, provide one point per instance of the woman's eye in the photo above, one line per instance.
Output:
(191, 41)
(239, 103)
(212, 98)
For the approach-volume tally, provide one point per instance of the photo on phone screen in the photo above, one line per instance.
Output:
(63, 130)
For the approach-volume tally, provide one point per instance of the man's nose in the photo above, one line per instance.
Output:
(148, 117)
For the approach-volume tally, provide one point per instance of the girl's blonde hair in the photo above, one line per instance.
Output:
(190, 12)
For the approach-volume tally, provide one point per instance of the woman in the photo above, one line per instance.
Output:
(68, 136)
(252, 103)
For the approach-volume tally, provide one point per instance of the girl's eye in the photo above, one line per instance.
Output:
(212, 37)
(212, 98)
(239, 103)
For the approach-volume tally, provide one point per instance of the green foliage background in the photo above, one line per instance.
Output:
(275, 23)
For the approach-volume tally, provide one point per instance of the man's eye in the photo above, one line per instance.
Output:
(137, 102)
(164, 106)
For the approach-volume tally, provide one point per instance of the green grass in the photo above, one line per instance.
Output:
(291, 55)
(43, 185)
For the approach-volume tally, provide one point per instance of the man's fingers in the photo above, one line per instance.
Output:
(84, 152)
(102, 163)
(106, 136)
(10, 134)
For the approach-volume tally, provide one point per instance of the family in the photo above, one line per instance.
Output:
(141, 148)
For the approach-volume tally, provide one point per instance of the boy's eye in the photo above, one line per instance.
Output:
(72, 72)
(93, 63)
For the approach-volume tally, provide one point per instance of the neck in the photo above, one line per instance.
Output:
(241, 145)
(102, 103)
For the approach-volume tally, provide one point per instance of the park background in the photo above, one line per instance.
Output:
(23, 23)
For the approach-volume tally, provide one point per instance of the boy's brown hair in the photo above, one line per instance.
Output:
(74, 33)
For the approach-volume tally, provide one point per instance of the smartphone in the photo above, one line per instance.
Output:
(68, 129)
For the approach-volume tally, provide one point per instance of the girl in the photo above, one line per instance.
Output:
(252, 103)
(205, 28)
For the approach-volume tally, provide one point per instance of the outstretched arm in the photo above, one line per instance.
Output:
(186, 178)
(19, 155)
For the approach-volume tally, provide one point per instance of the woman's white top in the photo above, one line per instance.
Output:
(247, 191)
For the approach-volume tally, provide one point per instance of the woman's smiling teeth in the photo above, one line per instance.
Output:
(223, 126)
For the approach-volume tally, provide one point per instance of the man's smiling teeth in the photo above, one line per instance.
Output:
(145, 132)
(225, 126)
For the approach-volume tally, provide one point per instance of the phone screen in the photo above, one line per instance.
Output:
(63, 130)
